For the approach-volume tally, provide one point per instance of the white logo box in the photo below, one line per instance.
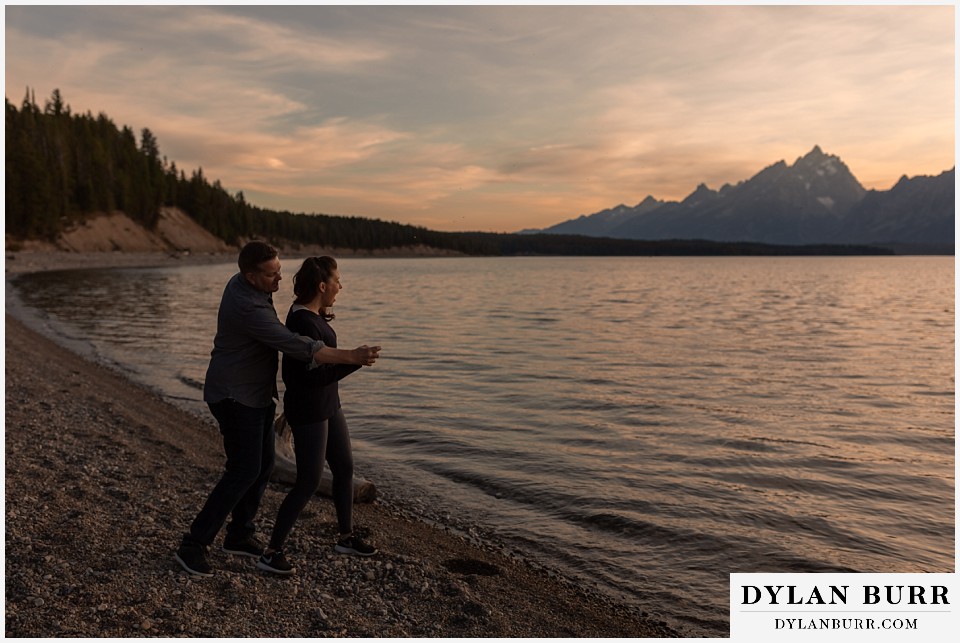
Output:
(844, 607)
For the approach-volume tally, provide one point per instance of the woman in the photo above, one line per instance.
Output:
(311, 405)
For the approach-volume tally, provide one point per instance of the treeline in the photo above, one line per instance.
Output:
(576, 245)
(61, 167)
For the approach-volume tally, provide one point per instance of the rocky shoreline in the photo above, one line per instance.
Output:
(103, 476)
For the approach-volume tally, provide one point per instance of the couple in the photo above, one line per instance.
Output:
(240, 389)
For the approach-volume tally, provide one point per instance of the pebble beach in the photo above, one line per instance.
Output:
(103, 476)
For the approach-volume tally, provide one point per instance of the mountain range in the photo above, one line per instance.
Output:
(817, 200)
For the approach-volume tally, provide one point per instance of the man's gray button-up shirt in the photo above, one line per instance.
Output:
(243, 363)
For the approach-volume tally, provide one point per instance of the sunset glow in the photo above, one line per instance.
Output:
(500, 117)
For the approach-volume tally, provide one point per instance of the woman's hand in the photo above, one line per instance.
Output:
(365, 355)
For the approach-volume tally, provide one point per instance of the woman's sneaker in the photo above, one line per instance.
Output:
(354, 545)
(275, 563)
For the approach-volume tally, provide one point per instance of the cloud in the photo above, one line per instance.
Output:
(273, 163)
(512, 115)
(192, 59)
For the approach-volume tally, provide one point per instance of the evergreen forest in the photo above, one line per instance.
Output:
(62, 167)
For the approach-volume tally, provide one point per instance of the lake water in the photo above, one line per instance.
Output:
(645, 426)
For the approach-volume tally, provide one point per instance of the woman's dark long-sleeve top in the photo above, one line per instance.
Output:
(312, 395)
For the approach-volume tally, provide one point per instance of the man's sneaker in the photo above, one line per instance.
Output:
(276, 563)
(354, 545)
(193, 558)
(247, 546)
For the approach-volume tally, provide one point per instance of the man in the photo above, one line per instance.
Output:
(240, 388)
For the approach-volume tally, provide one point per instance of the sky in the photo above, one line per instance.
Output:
(500, 118)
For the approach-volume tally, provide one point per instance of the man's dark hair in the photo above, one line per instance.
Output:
(255, 253)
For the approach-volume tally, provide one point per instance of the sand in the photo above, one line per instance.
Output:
(103, 476)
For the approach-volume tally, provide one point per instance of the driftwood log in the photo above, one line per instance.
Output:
(285, 467)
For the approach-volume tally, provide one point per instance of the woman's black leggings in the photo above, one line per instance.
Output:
(311, 442)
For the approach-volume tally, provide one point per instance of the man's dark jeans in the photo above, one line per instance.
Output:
(248, 440)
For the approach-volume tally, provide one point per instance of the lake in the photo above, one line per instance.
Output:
(644, 426)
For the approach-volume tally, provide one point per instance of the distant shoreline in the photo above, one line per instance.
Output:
(23, 262)
(28, 260)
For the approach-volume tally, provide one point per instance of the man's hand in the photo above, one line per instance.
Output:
(366, 355)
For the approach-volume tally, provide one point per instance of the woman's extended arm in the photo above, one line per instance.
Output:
(362, 355)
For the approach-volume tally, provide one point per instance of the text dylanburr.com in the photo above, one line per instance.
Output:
(844, 607)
